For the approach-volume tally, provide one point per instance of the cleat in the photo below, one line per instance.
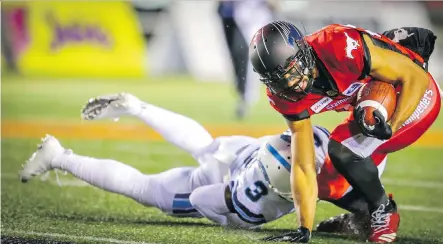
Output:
(111, 106)
(384, 223)
(40, 161)
(348, 224)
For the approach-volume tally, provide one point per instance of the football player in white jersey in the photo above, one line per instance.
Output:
(240, 181)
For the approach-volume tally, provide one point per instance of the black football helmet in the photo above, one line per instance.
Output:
(283, 59)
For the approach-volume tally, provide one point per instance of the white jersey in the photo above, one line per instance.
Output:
(253, 200)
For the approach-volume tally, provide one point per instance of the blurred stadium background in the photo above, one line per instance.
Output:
(56, 55)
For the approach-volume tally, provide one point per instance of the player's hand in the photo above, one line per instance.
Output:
(381, 130)
(301, 235)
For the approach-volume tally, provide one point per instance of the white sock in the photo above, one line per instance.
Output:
(109, 175)
(177, 129)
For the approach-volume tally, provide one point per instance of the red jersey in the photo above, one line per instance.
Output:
(343, 60)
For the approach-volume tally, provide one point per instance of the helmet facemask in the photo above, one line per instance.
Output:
(293, 81)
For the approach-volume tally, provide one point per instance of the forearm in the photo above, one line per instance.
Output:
(304, 180)
(411, 93)
(395, 68)
(304, 191)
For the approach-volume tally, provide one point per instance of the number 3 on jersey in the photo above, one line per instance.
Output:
(259, 190)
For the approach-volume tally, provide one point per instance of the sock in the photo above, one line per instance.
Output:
(177, 129)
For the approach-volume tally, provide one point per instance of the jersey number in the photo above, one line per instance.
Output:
(259, 190)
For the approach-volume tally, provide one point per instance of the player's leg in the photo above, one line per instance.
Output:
(106, 174)
(240, 61)
(168, 191)
(355, 157)
(177, 185)
(224, 149)
(352, 200)
(237, 49)
(357, 220)
(251, 16)
(212, 202)
(333, 186)
(359, 170)
(177, 129)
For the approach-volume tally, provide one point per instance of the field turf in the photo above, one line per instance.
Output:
(41, 211)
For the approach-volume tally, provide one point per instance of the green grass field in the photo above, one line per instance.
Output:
(76, 212)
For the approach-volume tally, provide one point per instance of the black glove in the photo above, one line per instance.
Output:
(381, 130)
(301, 235)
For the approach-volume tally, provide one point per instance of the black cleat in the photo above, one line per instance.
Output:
(348, 224)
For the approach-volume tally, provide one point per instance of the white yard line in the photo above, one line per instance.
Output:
(413, 183)
(72, 237)
(420, 209)
(411, 208)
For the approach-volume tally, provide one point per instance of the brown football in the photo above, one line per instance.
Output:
(377, 95)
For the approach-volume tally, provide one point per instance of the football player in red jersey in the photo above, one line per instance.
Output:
(306, 75)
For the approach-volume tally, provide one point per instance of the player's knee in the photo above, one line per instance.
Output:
(197, 199)
(209, 199)
(339, 154)
(200, 201)
(342, 157)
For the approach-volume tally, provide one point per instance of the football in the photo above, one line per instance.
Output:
(377, 95)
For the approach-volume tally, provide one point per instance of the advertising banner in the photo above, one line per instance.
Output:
(77, 39)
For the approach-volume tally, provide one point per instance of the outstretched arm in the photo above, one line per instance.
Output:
(303, 174)
(303, 181)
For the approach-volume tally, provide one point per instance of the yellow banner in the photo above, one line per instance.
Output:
(78, 38)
